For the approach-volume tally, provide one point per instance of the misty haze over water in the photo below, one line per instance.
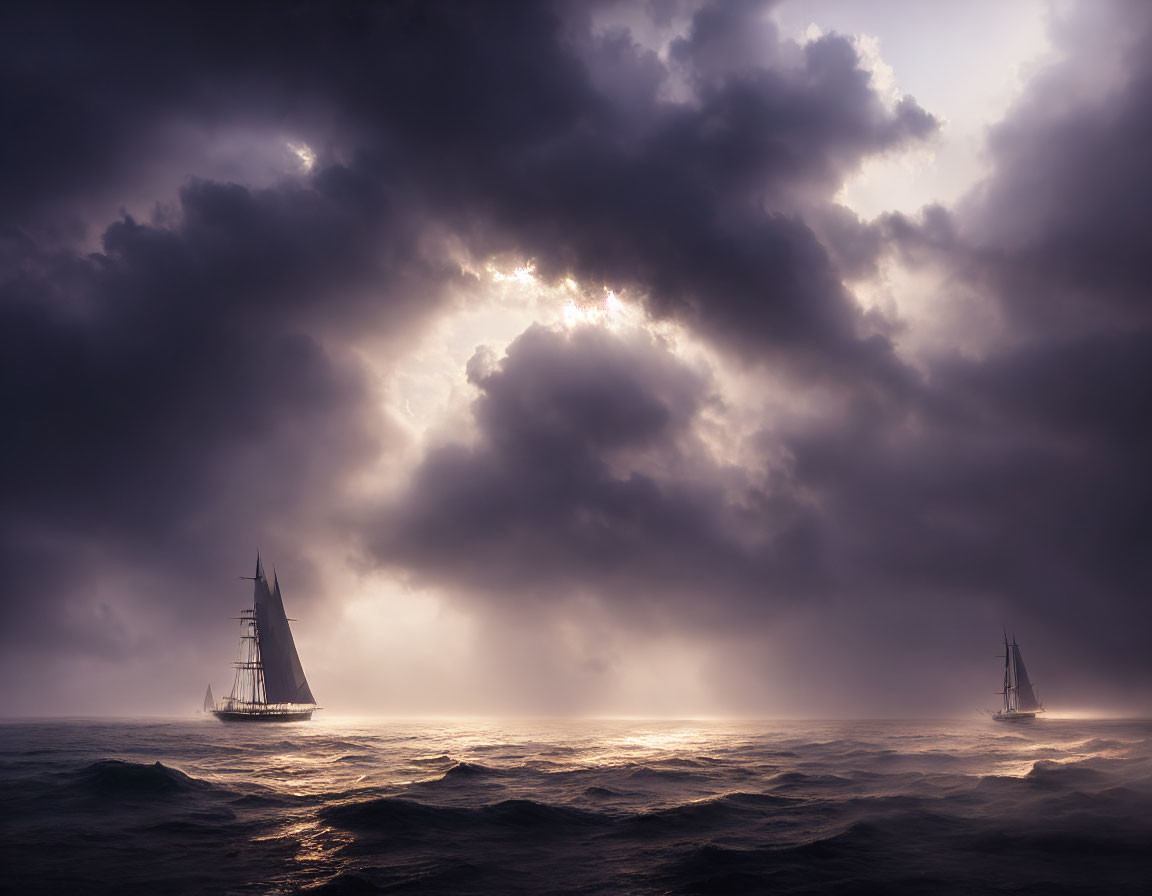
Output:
(577, 807)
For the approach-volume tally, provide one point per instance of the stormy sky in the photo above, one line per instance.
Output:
(633, 358)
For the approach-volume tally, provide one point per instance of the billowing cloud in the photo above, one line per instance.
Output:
(1042, 437)
(586, 477)
(231, 234)
(181, 390)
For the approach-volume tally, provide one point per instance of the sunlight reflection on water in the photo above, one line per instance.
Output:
(609, 805)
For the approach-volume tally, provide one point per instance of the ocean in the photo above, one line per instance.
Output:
(342, 806)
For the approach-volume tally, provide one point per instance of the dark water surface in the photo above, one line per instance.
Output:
(354, 806)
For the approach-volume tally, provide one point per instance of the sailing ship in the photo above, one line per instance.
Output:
(1020, 700)
(270, 685)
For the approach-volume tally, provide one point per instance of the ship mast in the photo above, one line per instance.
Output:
(1007, 676)
(248, 685)
(269, 684)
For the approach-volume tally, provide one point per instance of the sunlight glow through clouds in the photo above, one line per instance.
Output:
(304, 153)
(641, 347)
(969, 80)
(426, 394)
(612, 312)
(381, 630)
(524, 274)
(426, 391)
(428, 385)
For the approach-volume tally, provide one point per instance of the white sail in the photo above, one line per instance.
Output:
(269, 684)
(284, 678)
(1025, 696)
(209, 702)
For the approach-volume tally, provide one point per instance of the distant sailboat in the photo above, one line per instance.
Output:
(209, 701)
(1020, 701)
(270, 685)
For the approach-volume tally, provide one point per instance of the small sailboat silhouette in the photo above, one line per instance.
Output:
(1020, 701)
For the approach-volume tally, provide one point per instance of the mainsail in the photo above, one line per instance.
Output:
(1025, 697)
(209, 702)
(284, 679)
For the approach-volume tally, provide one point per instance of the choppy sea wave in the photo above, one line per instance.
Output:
(350, 807)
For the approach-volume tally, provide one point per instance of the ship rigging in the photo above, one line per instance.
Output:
(269, 683)
(1020, 700)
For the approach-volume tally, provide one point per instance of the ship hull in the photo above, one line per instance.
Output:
(1013, 716)
(225, 715)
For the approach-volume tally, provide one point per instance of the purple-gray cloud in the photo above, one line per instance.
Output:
(196, 387)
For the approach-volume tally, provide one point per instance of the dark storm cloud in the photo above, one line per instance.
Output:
(1064, 223)
(1061, 231)
(174, 394)
(94, 93)
(1010, 486)
(528, 131)
(146, 376)
(587, 478)
(589, 475)
(701, 205)
(192, 386)
(1024, 481)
